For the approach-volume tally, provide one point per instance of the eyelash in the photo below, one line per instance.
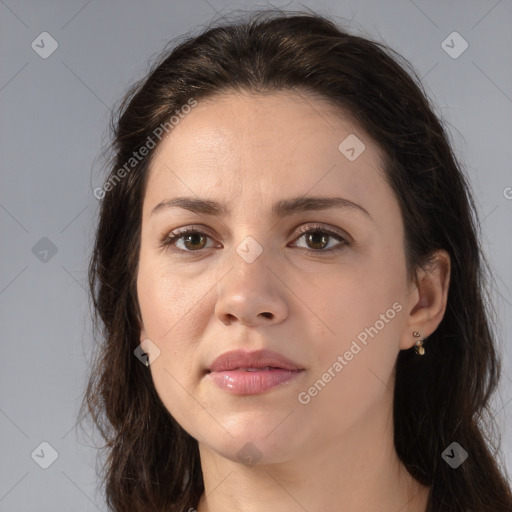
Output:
(169, 240)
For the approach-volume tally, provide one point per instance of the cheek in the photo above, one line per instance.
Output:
(363, 315)
(351, 296)
(167, 309)
(176, 393)
(164, 299)
(360, 318)
(164, 305)
(368, 346)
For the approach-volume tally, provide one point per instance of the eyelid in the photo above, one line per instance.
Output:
(327, 229)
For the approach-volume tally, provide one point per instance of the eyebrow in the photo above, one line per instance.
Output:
(281, 209)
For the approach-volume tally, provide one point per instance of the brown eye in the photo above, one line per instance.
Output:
(317, 239)
(194, 241)
(187, 240)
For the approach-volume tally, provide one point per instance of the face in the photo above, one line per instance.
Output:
(325, 288)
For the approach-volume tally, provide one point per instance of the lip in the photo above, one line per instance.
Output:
(229, 371)
(235, 359)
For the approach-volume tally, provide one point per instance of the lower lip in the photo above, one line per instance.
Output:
(240, 382)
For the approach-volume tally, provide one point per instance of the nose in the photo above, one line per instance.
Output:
(251, 294)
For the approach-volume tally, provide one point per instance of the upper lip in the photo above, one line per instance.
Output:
(258, 359)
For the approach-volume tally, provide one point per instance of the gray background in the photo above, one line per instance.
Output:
(54, 114)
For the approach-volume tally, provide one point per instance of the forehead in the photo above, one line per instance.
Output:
(258, 146)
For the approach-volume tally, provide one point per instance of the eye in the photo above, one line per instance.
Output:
(193, 239)
(317, 239)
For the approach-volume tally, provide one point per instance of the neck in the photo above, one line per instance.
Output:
(355, 471)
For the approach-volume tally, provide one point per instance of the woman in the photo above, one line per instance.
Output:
(291, 287)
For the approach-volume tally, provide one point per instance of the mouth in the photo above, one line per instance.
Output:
(255, 369)
(252, 373)
(252, 361)
(252, 381)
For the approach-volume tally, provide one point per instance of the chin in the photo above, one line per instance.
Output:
(251, 445)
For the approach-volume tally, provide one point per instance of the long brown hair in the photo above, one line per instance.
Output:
(151, 463)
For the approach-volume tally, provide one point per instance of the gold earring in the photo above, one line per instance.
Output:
(420, 350)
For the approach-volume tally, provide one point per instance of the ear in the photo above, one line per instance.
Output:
(428, 299)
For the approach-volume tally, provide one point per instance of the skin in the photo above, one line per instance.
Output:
(337, 450)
